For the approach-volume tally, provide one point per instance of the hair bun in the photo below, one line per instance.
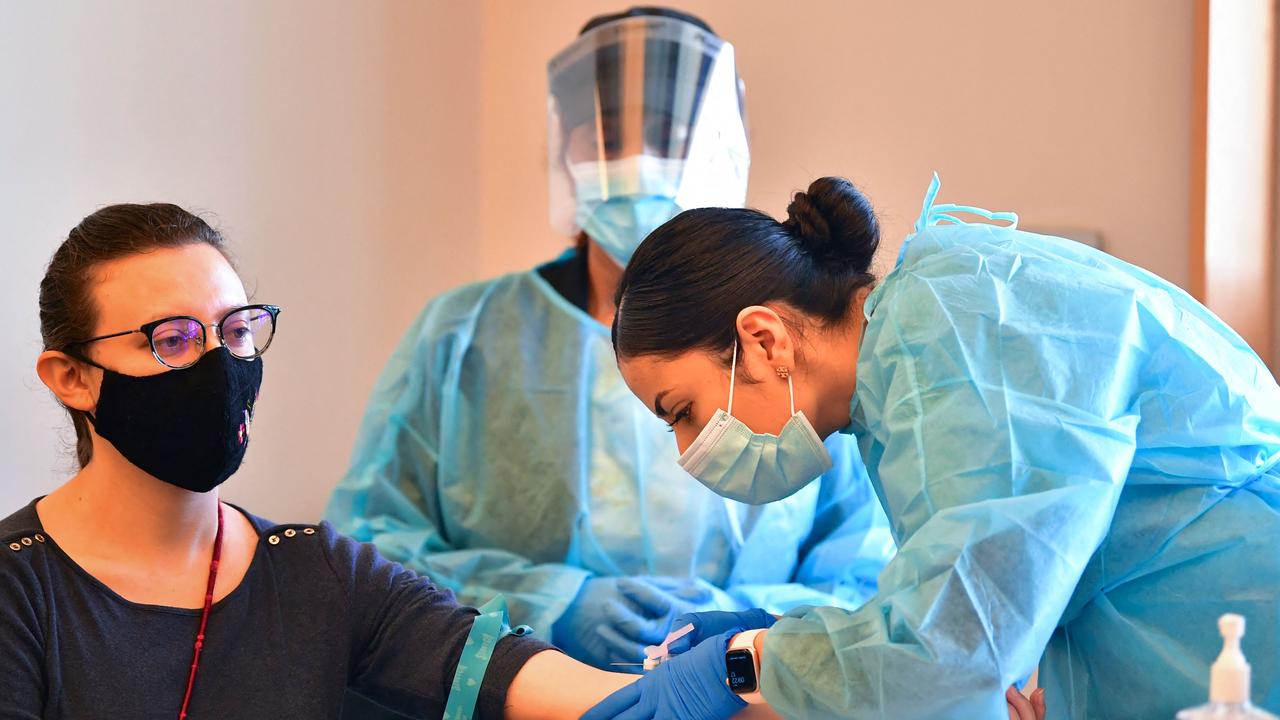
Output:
(835, 224)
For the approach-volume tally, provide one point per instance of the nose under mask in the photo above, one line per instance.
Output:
(755, 468)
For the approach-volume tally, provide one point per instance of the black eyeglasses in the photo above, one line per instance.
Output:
(178, 342)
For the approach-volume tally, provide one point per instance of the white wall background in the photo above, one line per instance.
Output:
(1239, 165)
(363, 157)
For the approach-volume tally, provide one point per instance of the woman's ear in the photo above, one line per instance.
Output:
(75, 383)
(860, 299)
(766, 343)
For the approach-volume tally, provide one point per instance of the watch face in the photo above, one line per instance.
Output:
(742, 671)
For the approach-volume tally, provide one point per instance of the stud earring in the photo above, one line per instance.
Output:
(783, 371)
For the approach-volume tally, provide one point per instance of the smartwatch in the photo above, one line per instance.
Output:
(742, 665)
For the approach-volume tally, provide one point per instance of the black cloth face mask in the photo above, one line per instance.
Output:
(187, 427)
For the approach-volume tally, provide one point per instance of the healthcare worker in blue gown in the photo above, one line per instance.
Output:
(501, 451)
(1079, 461)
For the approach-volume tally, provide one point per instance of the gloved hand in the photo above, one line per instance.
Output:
(690, 687)
(613, 619)
(715, 622)
(659, 600)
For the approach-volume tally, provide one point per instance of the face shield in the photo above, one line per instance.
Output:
(646, 119)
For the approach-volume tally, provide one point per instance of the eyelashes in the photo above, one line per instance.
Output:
(679, 417)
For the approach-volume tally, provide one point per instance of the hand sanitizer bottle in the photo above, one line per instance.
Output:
(1228, 680)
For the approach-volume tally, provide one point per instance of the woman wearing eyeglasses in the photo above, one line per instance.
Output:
(132, 591)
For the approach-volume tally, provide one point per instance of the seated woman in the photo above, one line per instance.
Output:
(132, 592)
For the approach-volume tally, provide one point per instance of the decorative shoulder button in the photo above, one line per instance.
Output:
(26, 541)
(308, 531)
(290, 532)
(274, 540)
(15, 546)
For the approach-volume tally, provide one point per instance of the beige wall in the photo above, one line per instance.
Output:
(1275, 203)
(336, 144)
(362, 157)
(1073, 114)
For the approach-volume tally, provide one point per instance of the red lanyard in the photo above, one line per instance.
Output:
(204, 617)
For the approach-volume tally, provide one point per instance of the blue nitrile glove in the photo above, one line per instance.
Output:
(690, 687)
(613, 619)
(656, 601)
(706, 624)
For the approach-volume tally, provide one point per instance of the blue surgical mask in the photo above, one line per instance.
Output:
(755, 468)
(620, 224)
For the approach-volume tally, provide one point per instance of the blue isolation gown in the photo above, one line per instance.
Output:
(1079, 462)
(502, 452)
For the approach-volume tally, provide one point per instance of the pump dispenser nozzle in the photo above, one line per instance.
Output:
(1228, 680)
(1230, 674)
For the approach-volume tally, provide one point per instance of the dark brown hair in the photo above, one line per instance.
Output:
(687, 281)
(67, 312)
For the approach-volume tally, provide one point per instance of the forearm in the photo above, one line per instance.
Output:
(759, 710)
(552, 685)
(756, 700)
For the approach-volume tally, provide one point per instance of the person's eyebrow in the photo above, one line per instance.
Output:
(657, 404)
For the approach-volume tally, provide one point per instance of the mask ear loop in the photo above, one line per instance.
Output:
(733, 371)
(730, 507)
(93, 421)
(792, 391)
